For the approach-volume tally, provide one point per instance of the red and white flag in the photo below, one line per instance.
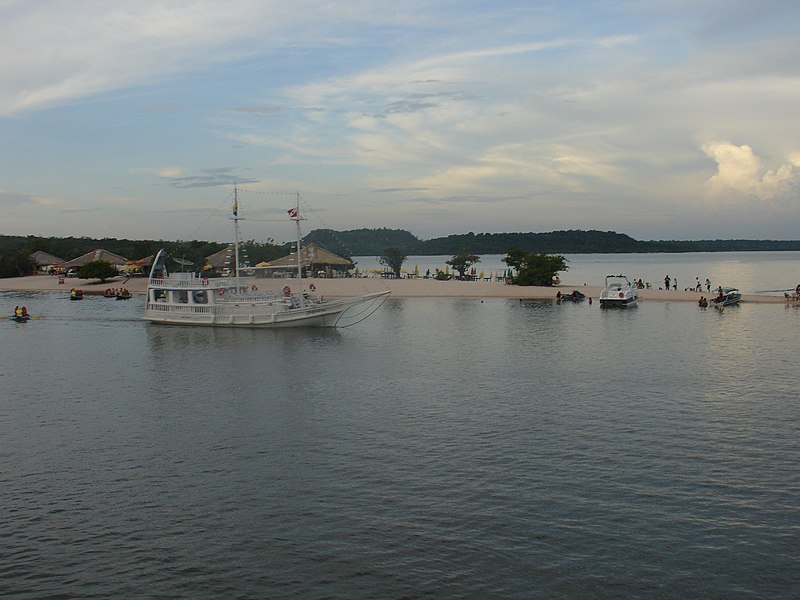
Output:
(292, 213)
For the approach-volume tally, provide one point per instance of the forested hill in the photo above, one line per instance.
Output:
(372, 242)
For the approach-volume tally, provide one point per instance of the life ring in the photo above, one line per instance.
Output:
(221, 291)
(312, 287)
(621, 295)
(205, 282)
(253, 288)
(287, 290)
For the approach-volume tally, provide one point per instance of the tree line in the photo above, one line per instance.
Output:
(15, 251)
(372, 242)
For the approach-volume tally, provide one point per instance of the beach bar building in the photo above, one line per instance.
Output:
(46, 262)
(316, 262)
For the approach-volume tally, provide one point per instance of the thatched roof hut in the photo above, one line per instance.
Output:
(44, 260)
(99, 254)
(221, 260)
(312, 258)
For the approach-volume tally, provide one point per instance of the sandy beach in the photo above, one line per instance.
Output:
(400, 288)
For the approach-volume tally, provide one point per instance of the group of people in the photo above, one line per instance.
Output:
(672, 283)
(21, 312)
(116, 292)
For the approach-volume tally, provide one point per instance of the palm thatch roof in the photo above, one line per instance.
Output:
(43, 259)
(310, 255)
(221, 259)
(99, 254)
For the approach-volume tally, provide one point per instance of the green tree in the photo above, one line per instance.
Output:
(16, 264)
(97, 269)
(462, 262)
(393, 258)
(533, 268)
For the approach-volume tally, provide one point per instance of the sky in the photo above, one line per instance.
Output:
(661, 120)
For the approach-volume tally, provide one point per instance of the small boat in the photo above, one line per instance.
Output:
(618, 292)
(126, 295)
(109, 294)
(76, 294)
(20, 318)
(574, 296)
(726, 296)
(188, 298)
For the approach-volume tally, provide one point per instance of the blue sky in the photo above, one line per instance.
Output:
(663, 120)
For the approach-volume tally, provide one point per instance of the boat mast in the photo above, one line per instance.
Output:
(235, 218)
(297, 225)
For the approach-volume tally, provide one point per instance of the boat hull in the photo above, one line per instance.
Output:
(268, 315)
(617, 302)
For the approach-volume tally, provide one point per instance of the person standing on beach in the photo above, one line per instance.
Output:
(666, 282)
(708, 285)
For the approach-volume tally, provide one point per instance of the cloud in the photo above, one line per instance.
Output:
(210, 178)
(166, 172)
(9, 199)
(740, 171)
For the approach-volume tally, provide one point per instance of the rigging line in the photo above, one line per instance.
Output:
(260, 193)
(209, 216)
(379, 304)
(333, 233)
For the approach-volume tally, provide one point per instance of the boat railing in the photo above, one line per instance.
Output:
(191, 282)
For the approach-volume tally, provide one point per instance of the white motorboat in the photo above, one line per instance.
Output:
(726, 296)
(189, 298)
(618, 292)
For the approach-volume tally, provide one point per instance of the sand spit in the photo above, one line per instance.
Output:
(345, 287)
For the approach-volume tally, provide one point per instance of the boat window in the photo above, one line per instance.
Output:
(200, 297)
(182, 297)
(159, 296)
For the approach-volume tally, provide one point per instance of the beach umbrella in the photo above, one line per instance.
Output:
(416, 270)
(446, 269)
(481, 274)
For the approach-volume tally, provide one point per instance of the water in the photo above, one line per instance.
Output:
(442, 448)
(749, 271)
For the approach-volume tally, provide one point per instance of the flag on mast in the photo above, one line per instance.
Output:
(235, 209)
(292, 213)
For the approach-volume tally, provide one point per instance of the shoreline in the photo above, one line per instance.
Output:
(399, 288)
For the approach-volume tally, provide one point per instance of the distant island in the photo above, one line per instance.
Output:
(373, 242)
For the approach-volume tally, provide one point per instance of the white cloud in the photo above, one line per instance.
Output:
(739, 171)
(167, 172)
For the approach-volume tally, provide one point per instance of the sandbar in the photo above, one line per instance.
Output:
(400, 288)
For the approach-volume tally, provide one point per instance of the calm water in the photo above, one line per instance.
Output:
(442, 448)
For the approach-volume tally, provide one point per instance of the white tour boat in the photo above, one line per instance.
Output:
(235, 301)
(618, 292)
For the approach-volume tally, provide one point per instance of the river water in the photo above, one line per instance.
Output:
(442, 448)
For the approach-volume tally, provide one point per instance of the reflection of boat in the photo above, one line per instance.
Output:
(618, 292)
(726, 296)
(75, 294)
(190, 299)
